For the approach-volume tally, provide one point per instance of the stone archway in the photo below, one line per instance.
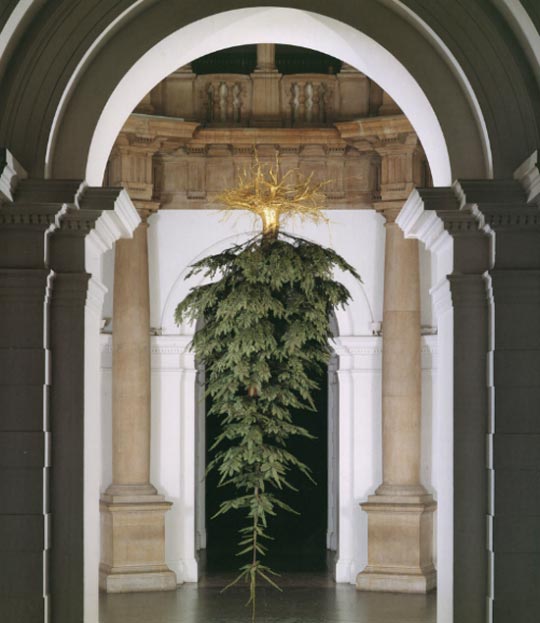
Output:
(270, 25)
(408, 156)
(66, 153)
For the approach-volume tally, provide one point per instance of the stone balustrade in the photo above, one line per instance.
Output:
(287, 100)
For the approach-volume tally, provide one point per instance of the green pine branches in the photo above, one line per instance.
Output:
(266, 331)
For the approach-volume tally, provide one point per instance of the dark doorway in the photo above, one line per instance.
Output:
(299, 540)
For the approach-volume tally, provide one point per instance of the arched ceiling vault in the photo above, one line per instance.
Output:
(463, 55)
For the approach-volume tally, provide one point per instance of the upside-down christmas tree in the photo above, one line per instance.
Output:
(266, 311)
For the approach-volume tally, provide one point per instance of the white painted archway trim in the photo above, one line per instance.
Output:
(270, 25)
(458, 72)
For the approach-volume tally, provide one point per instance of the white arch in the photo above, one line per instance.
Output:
(270, 25)
(347, 319)
(181, 287)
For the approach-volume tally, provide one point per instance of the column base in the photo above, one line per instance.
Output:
(133, 543)
(115, 581)
(400, 542)
(374, 579)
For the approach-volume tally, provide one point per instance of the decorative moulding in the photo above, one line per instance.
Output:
(96, 295)
(50, 191)
(441, 298)
(528, 175)
(423, 224)
(10, 174)
(45, 215)
(167, 352)
(356, 353)
(119, 217)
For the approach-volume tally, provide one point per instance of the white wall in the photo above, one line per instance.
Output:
(177, 238)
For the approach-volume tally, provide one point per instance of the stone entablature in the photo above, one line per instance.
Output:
(184, 165)
(192, 175)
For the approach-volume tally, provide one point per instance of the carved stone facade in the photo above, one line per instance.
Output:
(182, 165)
(192, 135)
(367, 162)
(266, 97)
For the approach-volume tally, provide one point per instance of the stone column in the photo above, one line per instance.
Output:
(132, 512)
(450, 224)
(510, 214)
(131, 366)
(266, 57)
(87, 227)
(47, 228)
(400, 514)
(401, 373)
(265, 108)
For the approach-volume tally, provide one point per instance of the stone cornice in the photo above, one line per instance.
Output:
(428, 213)
(35, 215)
(36, 191)
(268, 136)
(382, 127)
(154, 126)
(77, 221)
(118, 219)
(443, 223)
(418, 222)
(510, 217)
(176, 130)
(497, 205)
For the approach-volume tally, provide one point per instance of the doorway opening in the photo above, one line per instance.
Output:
(306, 542)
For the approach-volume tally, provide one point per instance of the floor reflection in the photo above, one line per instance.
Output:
(306, 598)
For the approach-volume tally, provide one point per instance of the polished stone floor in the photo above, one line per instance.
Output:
(306, 598)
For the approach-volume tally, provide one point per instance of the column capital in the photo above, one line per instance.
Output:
(392, 140)
(145, 209)
(138, 140)
(402, 143)
(119, 218)
(101, 216)
(389, 209)
(131, 163)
